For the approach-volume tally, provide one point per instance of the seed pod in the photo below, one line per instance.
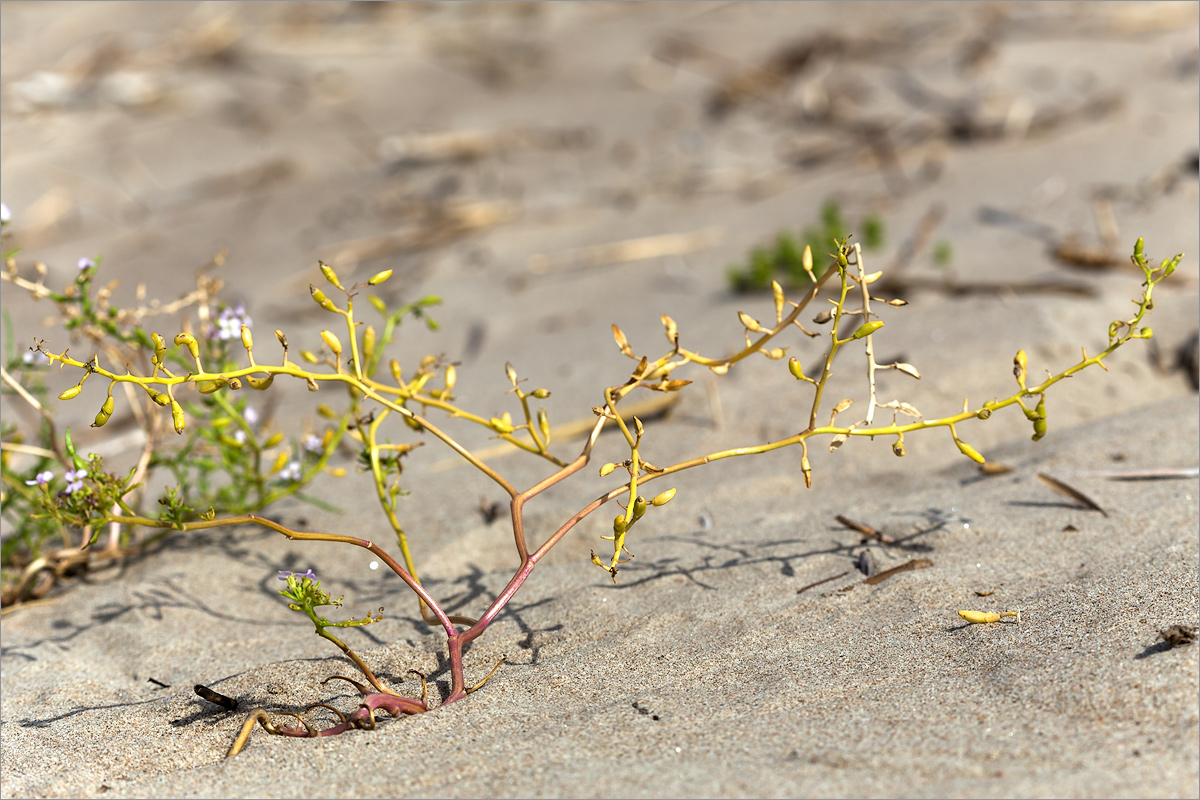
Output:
(511, 373)
(330, 275)
(1020, 362)
(639, 507)
(106, 411)
(162, 398)
(274, 439)
(619, 524)
(795, 368)
(908, 369)
(979, 617)
(282, 339)
(177, 417)
(1039, 430)
(541, 394)
(969, 452)
(543, 424)
(208, 387)
(235, 384)
(247, 338)
(369, 343)
(807, 263)
(379, 277)
(867, 329)
(823, 317)
(333, 343)
(607, 469)
(259, 383)
(806, 468)
(319, 296)
(672, 329)
(500, 426)
(984, 413)
(1146, 333)
(394, 366)
(160, 347)
(190, 341)
(309, 356)
(663, 499)
(777, 291)
(898, 447)
(621, 341)
(451, 377)
(775, 353)
(750, 322)
(72, 393)
(280, 462)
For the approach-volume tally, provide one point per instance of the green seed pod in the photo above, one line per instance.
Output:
(72, 393)
(639, 507)
(1039, 429)
(795, 368)
(1139, 250)
(309, 356)
(663, 498)
(369, 342)
(607, 469)
(208, 387)
(177, 416)
(235, 384)
(190, 341)
(162, 398)
(379, 277)
(898, 447)
(160, 347)
(106, 411)
(1146, 333)
(984, 413)
(541, 394)
(319, 296)
(867, 329)
(330, 275)
(619, 524)
(274, 439)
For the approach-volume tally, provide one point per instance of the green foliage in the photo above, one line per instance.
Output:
(785, 260)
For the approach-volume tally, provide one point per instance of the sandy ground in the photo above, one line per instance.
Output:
(486, 153)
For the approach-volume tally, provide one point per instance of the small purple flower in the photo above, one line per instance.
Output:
(85, 263)
(291, 472)
(230, 321)
(5, 214)
(312, 443)
(251, 416)
(285, 574)
(32, 357)
(75, 480)
(42, 479)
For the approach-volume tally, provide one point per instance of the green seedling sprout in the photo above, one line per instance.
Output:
(353, 358)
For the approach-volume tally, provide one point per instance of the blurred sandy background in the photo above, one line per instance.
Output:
(550, 169)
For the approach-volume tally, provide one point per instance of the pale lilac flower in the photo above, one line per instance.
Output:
(251, 416)
(35, 357)
(75, 480)
(312, 443)
(230, 321)
(291, 472)
(285, 574)
(239, 436)
(42, 479)
(5, 214)
(85, 263)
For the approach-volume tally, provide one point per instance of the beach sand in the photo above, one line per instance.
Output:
(712, 666)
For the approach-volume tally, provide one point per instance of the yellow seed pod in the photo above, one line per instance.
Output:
(619, 524)
(1039, 429)
(867, 329)
(541, 394)
(274, 439)
(379, 277)
(795, 368)
(671, 328)
(806, 469)
(451, 377)
(162, 398)
(160, 344)
(639, 507)
(177, 417)
(260, 383)
(500, 426)
(898, 447)
(394, 366)
(369, 343)
(235, 384)
(777, 291)
(282, 339)
(72, 393)
(332, 342)
(247, 339)
(607, 469)
(543, 424)
(749, 322)
(106, 411)
(190, 341)
(208, 387)
(979, 617)
(320, 298)
(969, 452)
(807, 263)
(330, 275)
(663, 499)
(1019, 364)
(280, 462)
(326, 412)
(309, 356)
(775, 353)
